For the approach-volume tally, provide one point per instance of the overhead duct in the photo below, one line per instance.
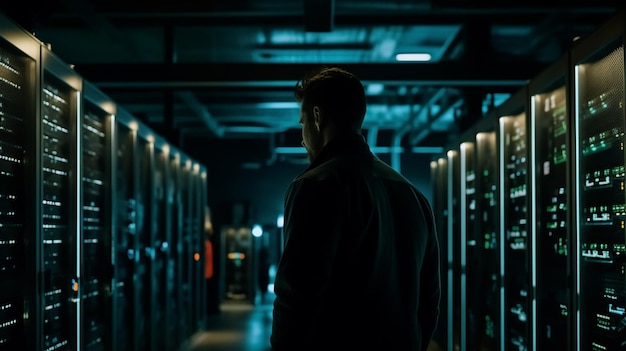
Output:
(409, 125)
(426, 128)
(190, 99)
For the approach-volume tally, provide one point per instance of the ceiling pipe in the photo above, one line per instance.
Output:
(426, 127)
(396, 142)
(249, 130)
(448, 47)
(210, 122)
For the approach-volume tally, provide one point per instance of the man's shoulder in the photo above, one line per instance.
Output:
(323, 171)
(382, 170)
(342, 170)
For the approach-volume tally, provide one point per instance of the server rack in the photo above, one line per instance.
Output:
(195, 254)
(60, 172)
(439, 171)
(19, 233)
(488, 258)
(479, 242)
(96, 262)
(191, 240)
(468, 184)
(467, 237)
(161, 220)
(206, 228)
(598, 105)
(144, 299)
(187, 248)
(550, 217)
(82, 212)
(514, 226)
(125, 252)
(560, 196)
(455, 292)
(174, 269)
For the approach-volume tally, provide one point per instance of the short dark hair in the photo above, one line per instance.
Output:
(337, 92)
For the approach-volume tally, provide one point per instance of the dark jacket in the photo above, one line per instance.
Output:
(360, 267)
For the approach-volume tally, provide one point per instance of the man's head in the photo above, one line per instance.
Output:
(332, 101)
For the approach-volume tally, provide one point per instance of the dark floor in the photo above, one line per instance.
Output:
(239, 326)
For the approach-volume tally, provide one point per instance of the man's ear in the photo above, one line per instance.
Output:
(316, 117)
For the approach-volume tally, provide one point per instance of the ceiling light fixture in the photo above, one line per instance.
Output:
(413, 57)
(374, 89)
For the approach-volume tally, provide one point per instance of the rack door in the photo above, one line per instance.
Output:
(144, 263)
(486, 263)
(60, 284)
(514, 232)
(455, 294)
(601, 243)
(174, 266)
(467, 241)
(162, 250)
(439, 171)
(96, 322)
(552, 275)
(17, 217)
(125, 238)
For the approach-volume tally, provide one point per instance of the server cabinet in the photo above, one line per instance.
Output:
(551, 276)
(60, 173)
(205, 228)
(196, 254)
(19, 222)
(185, 246)
(174, 269)
(144, 262)
(161, 221)
(439, 176)
(467, 239)
(80, 215)
(487, 259)
(600, 197)
(515, 248)
(479, 239)
(125, 254)
(455, 292)
(95, 232)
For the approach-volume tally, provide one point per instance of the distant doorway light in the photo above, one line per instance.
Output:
(257, 230)
(413, 57)
(280, 221)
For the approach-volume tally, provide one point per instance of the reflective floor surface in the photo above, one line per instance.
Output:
(239, 326)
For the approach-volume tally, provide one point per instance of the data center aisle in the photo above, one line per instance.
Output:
(240, 326)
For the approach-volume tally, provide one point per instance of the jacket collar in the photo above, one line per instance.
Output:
(345, 144)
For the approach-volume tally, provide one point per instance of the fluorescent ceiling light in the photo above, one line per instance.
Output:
(420, 57)
(375, 89)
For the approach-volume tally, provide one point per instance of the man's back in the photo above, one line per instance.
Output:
(357, 233)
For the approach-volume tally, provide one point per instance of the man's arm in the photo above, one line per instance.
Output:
(304, 266)
(430, 280)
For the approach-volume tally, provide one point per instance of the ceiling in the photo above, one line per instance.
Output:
(225, 69)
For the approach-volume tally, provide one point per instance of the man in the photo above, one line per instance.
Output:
(360, 267)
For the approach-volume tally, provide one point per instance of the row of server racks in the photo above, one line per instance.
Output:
(101, 221)
(531, 206)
